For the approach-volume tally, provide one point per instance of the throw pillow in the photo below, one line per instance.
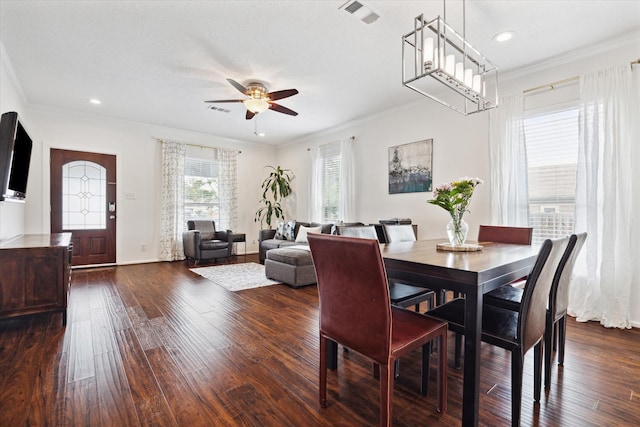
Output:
(302, 233)
(285, 230)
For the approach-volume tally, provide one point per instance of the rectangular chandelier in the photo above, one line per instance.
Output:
(434, 51)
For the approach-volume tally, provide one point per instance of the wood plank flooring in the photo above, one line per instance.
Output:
(157, 345)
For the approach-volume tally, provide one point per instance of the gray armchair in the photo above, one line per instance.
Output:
(203, 242)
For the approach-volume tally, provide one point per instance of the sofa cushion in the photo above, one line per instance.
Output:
(273, 243)
(285, 230)
(207, 245)
(299, 256)
(301, 237)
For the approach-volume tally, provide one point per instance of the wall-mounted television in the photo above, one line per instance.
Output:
(15, 157)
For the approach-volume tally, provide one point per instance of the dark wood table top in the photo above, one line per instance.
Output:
(458, 270)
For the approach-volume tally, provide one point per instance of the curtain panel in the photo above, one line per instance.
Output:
(607, 198)
(508, 163)
(228, 181)
(172, 201)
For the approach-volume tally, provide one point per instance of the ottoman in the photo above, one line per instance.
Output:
(291, 265)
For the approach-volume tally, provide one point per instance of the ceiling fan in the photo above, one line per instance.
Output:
(259, 99)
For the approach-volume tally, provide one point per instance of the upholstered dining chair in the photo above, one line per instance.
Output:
(505, 234)
(405, 294)
(516, 331)
(402, 295)
(351, 274)
(556, 320)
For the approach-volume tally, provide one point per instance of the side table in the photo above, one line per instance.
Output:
(241, 238)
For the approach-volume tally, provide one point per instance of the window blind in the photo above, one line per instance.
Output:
(552, 157)
(201, 192)
(330, 155)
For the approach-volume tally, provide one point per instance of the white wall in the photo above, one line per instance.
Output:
(460, 147)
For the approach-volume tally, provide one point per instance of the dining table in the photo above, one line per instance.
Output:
(470, 273)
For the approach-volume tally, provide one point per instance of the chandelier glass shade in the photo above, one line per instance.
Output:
(435, 52)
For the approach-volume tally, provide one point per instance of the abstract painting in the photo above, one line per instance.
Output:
(410, 167)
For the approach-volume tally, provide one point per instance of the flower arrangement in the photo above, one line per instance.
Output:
(454, 197)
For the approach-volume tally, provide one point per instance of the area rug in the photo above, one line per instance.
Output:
(236, 277)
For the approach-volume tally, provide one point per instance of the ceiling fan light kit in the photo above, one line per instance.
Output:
(260, 99)
(434, 51)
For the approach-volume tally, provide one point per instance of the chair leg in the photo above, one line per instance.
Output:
(458, 351)
(386, 395)
(537, 370)
(562, 334)
(516, 386)
(442, 372)
(323, 372)
(426, 353)
(548, 353)
(396, 368)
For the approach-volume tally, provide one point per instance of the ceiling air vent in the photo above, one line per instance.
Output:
(222, 110)
(361, 10)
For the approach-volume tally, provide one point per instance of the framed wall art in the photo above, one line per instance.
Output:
(410, 167)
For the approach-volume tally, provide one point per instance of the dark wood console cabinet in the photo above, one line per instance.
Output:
(35, 271)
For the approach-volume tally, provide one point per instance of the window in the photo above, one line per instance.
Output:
(201, 190)
(330, 182)
(84, 196)
(552, 159)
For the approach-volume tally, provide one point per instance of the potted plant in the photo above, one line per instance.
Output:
(275, 188)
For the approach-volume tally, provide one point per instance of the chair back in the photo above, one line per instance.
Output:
(559, 297)
(399, 233)
(503, 234)
(354, 297)
(533, 308)
(207, 227)
(362, 231)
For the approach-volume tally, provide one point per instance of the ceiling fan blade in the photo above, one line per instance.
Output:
(280, 94)
(280, 109)
(227, 100)
(238, 86)
(250, 115)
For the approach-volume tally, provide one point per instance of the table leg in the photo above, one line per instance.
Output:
(472, 339)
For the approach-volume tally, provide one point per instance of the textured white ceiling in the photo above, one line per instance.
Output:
(157, 61)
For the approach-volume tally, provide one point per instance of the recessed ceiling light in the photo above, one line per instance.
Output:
(95, 101)
(503, 36)
(261, 134)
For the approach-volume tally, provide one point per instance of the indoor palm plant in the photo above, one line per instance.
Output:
(275, 188)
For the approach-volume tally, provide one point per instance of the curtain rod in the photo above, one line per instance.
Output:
(193, 145)
(551, 86)
(351, 138)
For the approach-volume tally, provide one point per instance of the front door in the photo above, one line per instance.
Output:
(83, 202)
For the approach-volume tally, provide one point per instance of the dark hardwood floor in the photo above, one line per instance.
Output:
(155, 344)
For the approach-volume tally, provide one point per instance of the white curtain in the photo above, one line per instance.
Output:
(508, 163)
(608, 190)
(228, 186)
(346, 210)
(347, 180)
(172, 204)
(315, 185)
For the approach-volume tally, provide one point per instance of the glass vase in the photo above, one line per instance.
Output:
(457, 232)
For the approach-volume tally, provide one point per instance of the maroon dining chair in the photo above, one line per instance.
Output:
(355, 311)
(556, 321)
(505, 234)
(516, 331)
